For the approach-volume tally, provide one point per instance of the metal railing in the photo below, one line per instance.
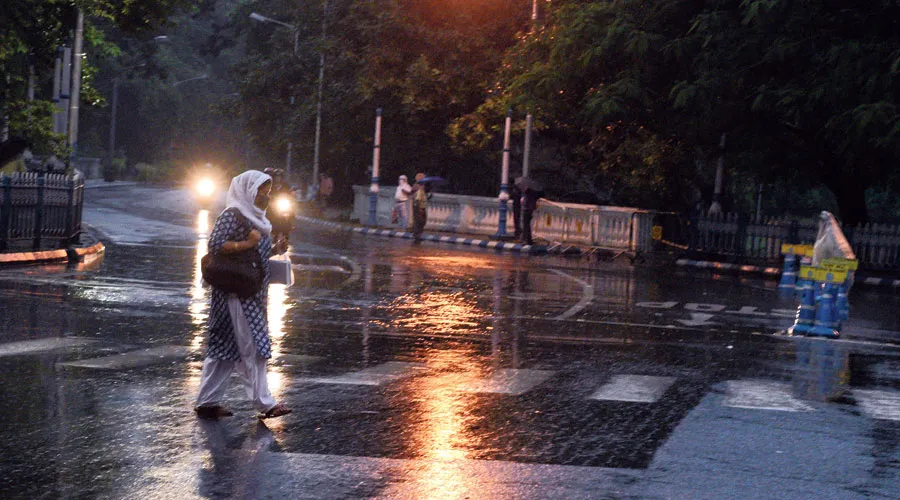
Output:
(618, 228)
(40, 211)
(738, 238)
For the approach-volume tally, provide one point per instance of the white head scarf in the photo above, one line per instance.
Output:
(242, 194)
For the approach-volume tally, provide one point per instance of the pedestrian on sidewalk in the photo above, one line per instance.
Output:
(238, 328)
(401, 202)
(421, 194)
(530, 198)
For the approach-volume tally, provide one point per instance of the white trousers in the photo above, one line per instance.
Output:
(251, 367)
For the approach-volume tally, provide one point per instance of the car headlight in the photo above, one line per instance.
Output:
(205, 187)
(283, 204)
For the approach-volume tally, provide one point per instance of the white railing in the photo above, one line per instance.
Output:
(618, 228)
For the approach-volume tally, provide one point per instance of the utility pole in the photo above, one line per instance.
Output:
(503, 197)
(529, 118)
(376, 161)
(318, 138)
(75, 96)
(111, 151)
(716, 206)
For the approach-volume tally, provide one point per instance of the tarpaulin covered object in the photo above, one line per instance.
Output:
(830, 242)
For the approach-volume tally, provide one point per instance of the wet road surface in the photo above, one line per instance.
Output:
(420, 371)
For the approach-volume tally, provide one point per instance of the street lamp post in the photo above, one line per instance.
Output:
(376, 161)
(504, 178)
(529, 118)
(296, 29)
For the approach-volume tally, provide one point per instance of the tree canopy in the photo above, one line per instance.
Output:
(631, 98)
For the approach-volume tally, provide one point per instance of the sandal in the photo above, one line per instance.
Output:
(212, 412)
(278, 410)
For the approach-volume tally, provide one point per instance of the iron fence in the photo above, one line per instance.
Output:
(739, 239)
(40, 210)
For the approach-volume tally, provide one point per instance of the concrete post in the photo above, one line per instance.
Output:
(77, 55)
(376, 158)
(503, 197)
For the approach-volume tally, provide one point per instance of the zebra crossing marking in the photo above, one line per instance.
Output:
(507, 381)
(762, 395)
(633, 388)
(373, 376)
(879, 404)
(42, 345)
(133, 359)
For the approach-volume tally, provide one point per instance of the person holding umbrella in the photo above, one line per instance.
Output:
(421, 192)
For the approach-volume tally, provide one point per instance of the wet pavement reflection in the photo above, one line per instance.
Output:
(432, 356)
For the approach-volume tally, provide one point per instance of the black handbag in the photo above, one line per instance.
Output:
(240, 273)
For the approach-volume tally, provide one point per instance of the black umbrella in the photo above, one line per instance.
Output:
(432, 179)
(528, 183)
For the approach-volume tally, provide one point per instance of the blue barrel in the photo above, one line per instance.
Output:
(826, 324)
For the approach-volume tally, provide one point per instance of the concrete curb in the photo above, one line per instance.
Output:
(719, 266)
(390, 233)
(775, 272)
(71, 254)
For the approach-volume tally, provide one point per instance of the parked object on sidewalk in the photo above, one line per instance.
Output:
(238, 328)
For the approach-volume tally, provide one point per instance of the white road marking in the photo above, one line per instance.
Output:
(762, 395)
(879, 404)
(634, 388)
(697, 319)
(41, 345)
(587, 295)
(376, 375)
(133, 359)
(508, 381)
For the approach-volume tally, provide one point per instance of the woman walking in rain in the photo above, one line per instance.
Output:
(238, 328)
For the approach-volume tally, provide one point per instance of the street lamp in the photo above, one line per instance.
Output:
(204, 76)
(529, 118)
(263, 19)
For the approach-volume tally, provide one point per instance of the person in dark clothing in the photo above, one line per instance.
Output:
(515, 194)
(282, 219)
(420, 193)
(529, 204)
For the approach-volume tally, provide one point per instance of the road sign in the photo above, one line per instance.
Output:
(839, 264)
(804, 250)
(822, 275)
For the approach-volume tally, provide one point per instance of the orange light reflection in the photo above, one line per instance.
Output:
(278, 310)
(441, 434)
(199, 306)
(438, 312)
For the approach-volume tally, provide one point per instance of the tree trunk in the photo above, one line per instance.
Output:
(851, 200)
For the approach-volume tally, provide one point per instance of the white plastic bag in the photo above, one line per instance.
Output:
(280, 271)
(831, 242)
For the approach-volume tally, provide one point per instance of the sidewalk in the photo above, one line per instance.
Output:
(635, 258)
(88, 245)
(458, 239)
